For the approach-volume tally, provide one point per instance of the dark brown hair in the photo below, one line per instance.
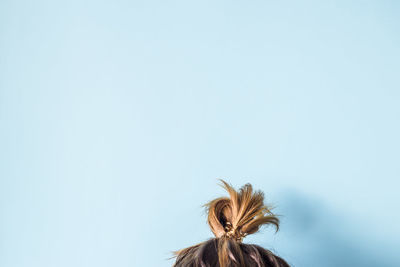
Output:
(231, 219)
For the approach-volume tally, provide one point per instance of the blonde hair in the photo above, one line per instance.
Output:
(231, 219)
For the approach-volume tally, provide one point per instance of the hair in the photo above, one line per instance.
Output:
(231, 219)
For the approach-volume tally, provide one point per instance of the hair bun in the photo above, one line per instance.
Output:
(239, 215)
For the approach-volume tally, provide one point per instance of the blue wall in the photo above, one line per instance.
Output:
(117, 118)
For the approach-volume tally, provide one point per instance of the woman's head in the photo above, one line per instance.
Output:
(231, 219)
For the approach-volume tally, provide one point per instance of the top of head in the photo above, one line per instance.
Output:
(240, 214)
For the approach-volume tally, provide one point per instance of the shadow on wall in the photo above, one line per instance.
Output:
(313, 235)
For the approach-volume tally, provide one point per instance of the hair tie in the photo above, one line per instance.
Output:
(232, 233)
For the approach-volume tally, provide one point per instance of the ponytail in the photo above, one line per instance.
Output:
(231, 219)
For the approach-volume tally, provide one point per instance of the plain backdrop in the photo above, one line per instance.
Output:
(117, 118)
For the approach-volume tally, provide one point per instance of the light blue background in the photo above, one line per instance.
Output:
(117, 118)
